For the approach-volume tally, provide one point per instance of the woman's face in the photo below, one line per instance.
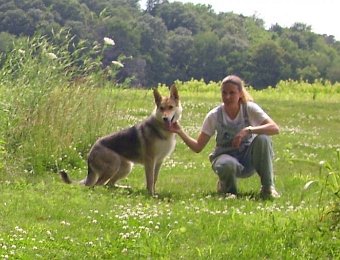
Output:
(230, 94)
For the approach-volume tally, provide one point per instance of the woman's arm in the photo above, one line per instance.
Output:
(195, 145)
(267, 127)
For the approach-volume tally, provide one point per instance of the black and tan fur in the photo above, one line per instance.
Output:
(111, 158)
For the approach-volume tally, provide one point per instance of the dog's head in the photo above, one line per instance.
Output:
(168, 109)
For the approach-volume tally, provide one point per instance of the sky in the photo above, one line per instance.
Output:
(322, 15)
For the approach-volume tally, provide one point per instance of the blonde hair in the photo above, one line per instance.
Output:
(233, 79)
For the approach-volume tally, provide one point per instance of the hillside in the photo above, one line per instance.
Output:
(171, 41)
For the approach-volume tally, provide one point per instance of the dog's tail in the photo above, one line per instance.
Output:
(64, 177)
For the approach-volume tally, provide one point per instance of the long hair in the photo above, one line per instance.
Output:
(233, 79)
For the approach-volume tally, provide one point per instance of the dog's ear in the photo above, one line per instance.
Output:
(158, 97)
(174, 92)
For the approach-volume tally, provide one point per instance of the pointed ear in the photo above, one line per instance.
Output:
(157, 96)
(174, 92)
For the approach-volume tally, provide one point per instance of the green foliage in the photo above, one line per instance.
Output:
(329, 181)
(6, 42)
(176, 41)
(267, 62)
(32, 76)
(318, 88)
(2, 152)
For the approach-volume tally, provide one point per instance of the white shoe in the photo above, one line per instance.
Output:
(269, 192)
(230, 196)
(222, 189)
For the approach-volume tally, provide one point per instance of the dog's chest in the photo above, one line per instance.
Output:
(163, 148)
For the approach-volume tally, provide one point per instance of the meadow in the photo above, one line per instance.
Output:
(44, 218)
(48, 124)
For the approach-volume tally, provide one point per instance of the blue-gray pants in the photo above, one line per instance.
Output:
(257, 157)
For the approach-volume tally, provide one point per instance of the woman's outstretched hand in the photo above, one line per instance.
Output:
(175, 127)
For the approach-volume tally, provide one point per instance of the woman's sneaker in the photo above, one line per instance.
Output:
(222, 189)
(269, 192)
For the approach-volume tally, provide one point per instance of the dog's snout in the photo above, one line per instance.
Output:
(165, 119)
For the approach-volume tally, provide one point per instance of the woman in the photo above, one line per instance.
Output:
(243, 145)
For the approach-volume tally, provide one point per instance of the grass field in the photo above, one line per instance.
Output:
(42, 218)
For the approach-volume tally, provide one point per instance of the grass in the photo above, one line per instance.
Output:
(44, 218)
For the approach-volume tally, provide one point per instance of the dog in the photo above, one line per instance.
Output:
(148, 143)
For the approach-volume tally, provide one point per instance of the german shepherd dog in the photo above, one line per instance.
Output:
(111, 158)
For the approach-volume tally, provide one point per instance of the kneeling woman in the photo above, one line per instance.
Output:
(243, 143)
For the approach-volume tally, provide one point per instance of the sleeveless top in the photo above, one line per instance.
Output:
(226, 133)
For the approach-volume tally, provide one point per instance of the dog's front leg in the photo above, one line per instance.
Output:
(157, 168)
(149, 175)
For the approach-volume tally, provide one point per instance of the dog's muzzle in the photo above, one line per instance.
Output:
(168, 121)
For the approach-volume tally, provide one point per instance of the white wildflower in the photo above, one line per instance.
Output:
(119, 64)
(109, 41)
(321, 163)
(52, 56)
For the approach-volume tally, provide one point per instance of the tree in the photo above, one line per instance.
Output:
(209, 63)
(153, 49)
(151, 4)
(333, 71)
(293, 58)
(174, 40)
(177, 15)
(309, 73)
(266, 65)
(16, 22)
(180, 42)
(6, 42)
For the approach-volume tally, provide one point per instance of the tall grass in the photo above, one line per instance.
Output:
(39, 89)
(48, 123)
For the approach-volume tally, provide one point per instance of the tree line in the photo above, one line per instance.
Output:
(177, 41)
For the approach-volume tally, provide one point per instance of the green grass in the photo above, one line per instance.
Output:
(44, 218)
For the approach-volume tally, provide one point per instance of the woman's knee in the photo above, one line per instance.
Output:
(262, 143)
(226, 166)
(263, 139)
